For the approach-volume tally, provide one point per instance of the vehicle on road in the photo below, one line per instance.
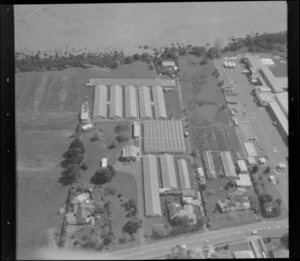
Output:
(254, 232)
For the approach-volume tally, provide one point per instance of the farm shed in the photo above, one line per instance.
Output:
(244, 180)
(251, 160)
(136, 130)
(280, 117)
(116, 102)
(163, 136)
(201, 175)
(242, 166)
(168, 171)
(209, 165)
(228, 164)
(183, 174)
(100, 102)
(145, 103)
(159, 102)
(250, 149)
(152, 200)
(168, 64)
(168, 83)
(130, 102)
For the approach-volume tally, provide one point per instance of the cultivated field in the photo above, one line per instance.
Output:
(47, 107)
(173, 105)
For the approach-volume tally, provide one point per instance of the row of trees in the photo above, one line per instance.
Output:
(73, 163)
(258, 42)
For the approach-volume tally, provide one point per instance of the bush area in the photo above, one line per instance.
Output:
(258, 42)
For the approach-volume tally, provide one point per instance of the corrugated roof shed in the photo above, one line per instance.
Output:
(242, 166)
(168, 171)
(130, 102)
(159, 102)
(183, 174)
(282, 99)
(228, 164)
(209, 165)
(171, 83)
(116, 102)
(282, 119)
(250, 149)
(145, 102)
(163, 136)
(100, 101)
(278, 84)
(152, 200)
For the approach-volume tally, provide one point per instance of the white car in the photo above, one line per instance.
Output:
(254, 232)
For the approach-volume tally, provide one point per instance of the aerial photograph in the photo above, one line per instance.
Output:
(152, 130)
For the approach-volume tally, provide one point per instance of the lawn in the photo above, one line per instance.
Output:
(173, 105)
(219, 220)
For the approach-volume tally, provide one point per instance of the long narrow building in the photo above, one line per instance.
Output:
(159, 103)
(151, 189)
(100, 102)
(130, 102)
(209, 165)
(183, 174)
(228, 164)
(145, 103)
(168, 171)
(116, 102)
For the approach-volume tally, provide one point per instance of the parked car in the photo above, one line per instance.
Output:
(254, 232)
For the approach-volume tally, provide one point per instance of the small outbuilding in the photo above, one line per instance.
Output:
(242, 166)
(244, 180)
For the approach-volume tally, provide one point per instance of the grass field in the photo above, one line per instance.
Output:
(173, 105)
(47, 107)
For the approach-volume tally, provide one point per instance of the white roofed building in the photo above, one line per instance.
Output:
(168, 171)
(159, 103)
(242, 166)
(282, 99)
(130, 102)
(116, 102)
(145, 103)
(183, 174)
(100, 102)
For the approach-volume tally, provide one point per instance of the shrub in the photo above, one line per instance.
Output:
(267, 170)
(254, 169)
(121, 138)
(112, 145)
(103, 176)
(265, 198)
(122, 240)
(84, 166)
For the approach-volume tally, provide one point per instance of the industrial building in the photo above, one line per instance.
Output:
(249, 146)
(282, 99)
(281, 119)
(244, 180)
(159, 102)
(130, 102)
(145, 103)
(116, 102)
(209, 165)
(165, 83)
(183, 174)
(100, 102)
(168, 171)
(228, 164)
(151, 191)
(163, 136)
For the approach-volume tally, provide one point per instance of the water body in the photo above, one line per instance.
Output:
(106, 26)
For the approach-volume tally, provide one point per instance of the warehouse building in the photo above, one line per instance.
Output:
(159, 102)
(164, 136)
(228, 164)
(250, 149)
(183, 174)
(151, 191)
(281, 119)
(209, 165)
(242, 166)
(145, 103)
(116, 102)
(168, 171)
(100, 102)
(130, 102)
(165, 83)
(282, 99)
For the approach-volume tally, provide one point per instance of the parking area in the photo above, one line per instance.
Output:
(256, 120)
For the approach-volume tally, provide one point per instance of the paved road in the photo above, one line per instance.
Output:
(161, 248)
(266, 133)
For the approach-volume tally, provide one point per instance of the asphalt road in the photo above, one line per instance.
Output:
(266, 133)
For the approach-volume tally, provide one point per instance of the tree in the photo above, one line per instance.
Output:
(70, 175)
(112, 145)
(254, 169)
(77, 143)
(132, 226)
(103, 176)
(265, 198)
(267, 170)
(84, 166)
(254, 204)
(182, 221)
(121, 138)
(128, 59)
(278, 201)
